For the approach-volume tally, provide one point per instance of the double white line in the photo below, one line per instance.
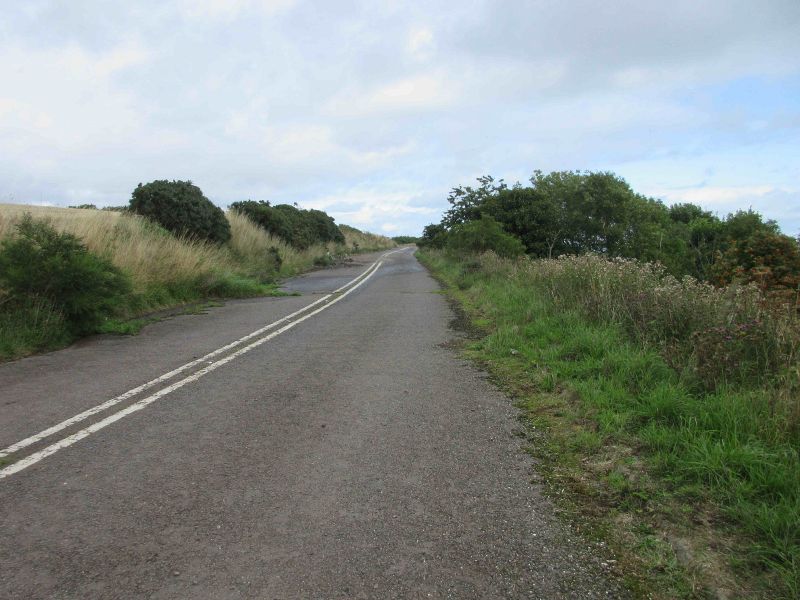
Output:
(284, 324)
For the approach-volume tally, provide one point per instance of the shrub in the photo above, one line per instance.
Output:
(768, 259)
(722, 335)
(477, 237)
(300, 228)
(180, 207)
(405, 239)
(42, 263)
(433, 236)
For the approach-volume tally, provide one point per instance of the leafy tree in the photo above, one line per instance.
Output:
(465, 201)
(481, 236)
(574, 212)
(433, 236)
(686, 213)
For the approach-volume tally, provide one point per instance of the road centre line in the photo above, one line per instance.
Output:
(16, 447)
(32, 459)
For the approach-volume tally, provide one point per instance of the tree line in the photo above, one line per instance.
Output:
(576, 212)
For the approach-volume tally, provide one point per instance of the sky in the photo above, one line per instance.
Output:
(373, 111)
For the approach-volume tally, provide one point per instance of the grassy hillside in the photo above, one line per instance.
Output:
(664, 413)
(165, 270)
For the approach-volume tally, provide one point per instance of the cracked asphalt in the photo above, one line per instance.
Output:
(353, 456)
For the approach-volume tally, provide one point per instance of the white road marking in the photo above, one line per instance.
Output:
(16, 447)
(32, 459)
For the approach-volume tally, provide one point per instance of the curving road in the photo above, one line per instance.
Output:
(328, 445)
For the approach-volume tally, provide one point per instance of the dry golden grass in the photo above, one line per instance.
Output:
(250, 243)
(154, 258)
(364, 241)
(150, 255)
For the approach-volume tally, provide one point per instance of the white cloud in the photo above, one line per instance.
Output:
(424, 92)
(714, 195)
(227, 10)
(420, 43)
(376, 108)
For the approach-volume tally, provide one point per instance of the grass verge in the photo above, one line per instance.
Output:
(696, 491)
(165, 271)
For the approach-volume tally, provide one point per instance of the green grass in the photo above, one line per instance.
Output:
(30, 325)
(647, 460)
(34, 325)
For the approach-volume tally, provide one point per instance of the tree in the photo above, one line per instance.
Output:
(483, 235)
(465, 201)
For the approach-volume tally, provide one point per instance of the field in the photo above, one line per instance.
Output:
(164, 270)
(665, 413)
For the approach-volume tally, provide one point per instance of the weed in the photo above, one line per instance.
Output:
(645, 445)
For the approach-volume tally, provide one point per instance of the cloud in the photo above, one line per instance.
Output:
(421, 45)
(376, 109)
(424, 92)
(228, 10)
(715, 195)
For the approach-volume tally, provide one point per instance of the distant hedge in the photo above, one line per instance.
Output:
(405, 239)
(300, 228)
(180, 207)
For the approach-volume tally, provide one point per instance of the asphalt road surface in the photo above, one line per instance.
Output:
(343, 452)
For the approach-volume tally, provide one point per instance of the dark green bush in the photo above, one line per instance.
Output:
(433, 236)
(41, 263)
(180, 207)
(405, 239)
(300, 228)
(476, 237)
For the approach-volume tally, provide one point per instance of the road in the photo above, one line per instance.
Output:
(344, 452)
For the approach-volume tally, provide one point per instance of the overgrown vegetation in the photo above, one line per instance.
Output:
(356, 240)
(41, 267)
(405, 239)
(572, 212)
(181, 207)
(671, 410)
(163, 270)
(300, 228)
(655, 354)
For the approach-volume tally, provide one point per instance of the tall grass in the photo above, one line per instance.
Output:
(702, 382)
(362, 241)
(164, 269)
(151, 256)
(154, 258)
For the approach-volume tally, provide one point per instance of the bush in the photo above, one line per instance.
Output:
(181, 208)
(405, 239)
(477, 237)
(768, 259)
(300, 228)
(433, 236)
(41, 263)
